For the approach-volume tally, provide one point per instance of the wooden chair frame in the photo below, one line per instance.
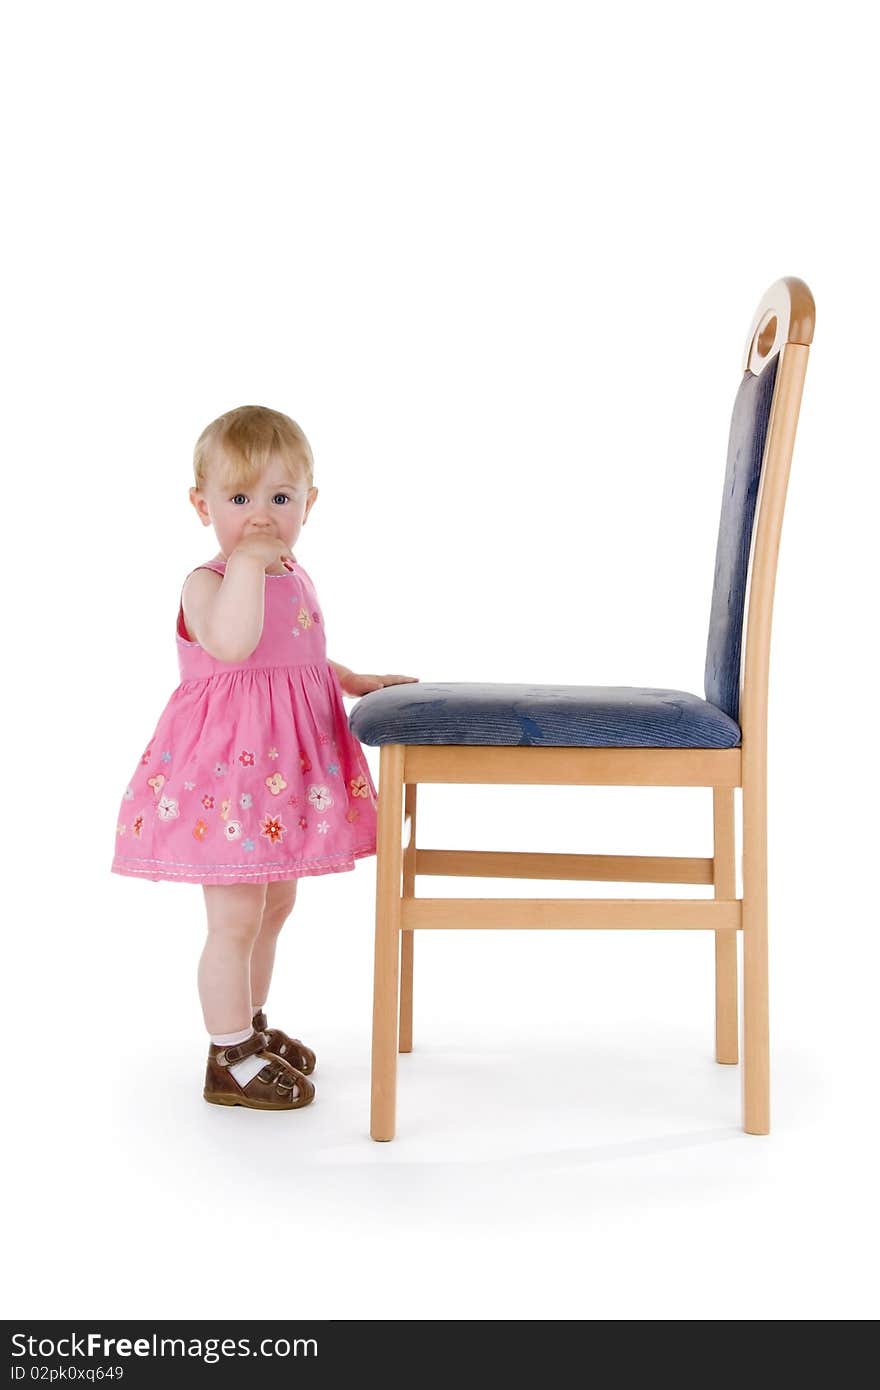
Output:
(783, 323)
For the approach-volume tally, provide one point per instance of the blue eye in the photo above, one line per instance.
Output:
(240, 497)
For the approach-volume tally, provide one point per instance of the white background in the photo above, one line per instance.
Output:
(499, 261)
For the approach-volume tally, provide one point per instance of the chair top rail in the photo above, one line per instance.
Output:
(786, 314)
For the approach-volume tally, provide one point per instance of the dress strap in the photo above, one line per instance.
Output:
(218, 566)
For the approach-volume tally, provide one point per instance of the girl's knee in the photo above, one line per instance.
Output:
(240, 932)
(235, 911)
(280, 898)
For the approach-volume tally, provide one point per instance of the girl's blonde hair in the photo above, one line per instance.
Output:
(240, 444)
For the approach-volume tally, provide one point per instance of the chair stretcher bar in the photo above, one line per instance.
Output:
(571, 914)
(609, 868)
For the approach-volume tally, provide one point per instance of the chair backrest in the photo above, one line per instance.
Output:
(762, 433)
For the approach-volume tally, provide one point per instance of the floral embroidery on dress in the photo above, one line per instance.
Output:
(208, 802)
(359, 786)
(167, 808)
(273, 829)
(200, 830)
(232, 830)
(276, 783)
(320, 798)
(304, 619)
(157, 782)
(246, 759)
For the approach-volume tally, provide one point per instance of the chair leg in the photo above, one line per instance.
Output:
(726, 1023)
(756, 1005)
(407, 938)
(389, 858)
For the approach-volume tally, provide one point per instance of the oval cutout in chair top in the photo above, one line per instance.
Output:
(766, 336)
(786, 314)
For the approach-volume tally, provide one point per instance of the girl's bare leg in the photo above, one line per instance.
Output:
(235, 913)
(278, 906)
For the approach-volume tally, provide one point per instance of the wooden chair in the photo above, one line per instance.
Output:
(615, 736)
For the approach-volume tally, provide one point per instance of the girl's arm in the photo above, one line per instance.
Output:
(226, 619)
(353, 684)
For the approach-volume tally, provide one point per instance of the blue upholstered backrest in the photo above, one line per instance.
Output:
(745, 451)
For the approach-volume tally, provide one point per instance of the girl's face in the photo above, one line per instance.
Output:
(274, 503)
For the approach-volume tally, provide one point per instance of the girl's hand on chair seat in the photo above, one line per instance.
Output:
(354, 684)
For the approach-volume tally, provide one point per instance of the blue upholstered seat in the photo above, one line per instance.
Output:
(609, 716)
(541, 716)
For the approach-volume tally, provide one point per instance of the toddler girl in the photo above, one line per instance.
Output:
(252, 778)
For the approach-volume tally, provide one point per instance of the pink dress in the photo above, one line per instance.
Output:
(252, 773)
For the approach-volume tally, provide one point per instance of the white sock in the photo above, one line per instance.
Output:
(230, 1039)
(245, 1070)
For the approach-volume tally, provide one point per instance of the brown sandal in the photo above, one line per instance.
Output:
(291, 1049)
(272, 1088)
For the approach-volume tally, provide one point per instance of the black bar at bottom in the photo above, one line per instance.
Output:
(121, 1354)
